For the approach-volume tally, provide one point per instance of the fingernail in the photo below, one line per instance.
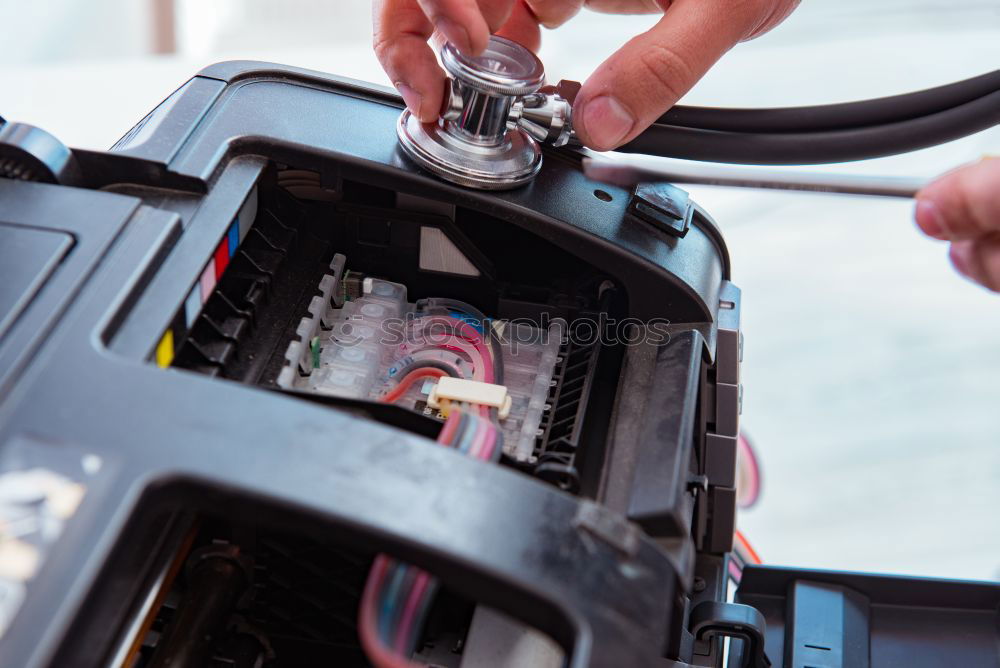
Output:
(454, 33)
(606, 122)
(929, 218)
(411, 97)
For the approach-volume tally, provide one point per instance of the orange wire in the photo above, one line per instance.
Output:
(752, 553)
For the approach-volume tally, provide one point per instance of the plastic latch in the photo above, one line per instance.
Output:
(450, 389)
(665, 206)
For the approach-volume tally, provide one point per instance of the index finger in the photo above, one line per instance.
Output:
(554, 13)
(401, 31)
(962, 204)
(461, 22)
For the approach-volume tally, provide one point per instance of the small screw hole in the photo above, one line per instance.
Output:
(603, 196)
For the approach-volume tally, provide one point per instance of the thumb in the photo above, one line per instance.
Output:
(962, 204)
(644, 78)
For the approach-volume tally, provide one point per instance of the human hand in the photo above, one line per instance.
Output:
(629, 91)
(963, 207)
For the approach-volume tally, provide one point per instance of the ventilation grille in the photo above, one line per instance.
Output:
(305, 601)
(562, 424)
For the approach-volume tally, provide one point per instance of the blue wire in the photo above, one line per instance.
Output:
(390, 595)
(469, 435)
(405, 590)
(469, 319)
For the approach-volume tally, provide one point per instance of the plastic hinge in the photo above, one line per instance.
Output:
(712, 618)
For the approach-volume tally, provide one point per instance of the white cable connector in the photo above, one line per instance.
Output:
(450, 389)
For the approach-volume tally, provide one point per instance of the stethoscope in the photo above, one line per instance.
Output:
(498, 111)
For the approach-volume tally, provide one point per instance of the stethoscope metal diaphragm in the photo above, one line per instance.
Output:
(478, 141)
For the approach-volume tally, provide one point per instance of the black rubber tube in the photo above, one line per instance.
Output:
(819, 147)
(880, 111)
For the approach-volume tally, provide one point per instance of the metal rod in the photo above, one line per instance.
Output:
(483, 118)
(215, 583)
(629, 174)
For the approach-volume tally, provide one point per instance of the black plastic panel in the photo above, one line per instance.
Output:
(28, 257)
(173, 441)
(829, 619)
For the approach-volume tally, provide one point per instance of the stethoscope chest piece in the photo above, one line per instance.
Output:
(475, 142)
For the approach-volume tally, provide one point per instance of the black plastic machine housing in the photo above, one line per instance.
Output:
(149, 292)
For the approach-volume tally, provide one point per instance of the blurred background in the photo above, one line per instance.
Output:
(871, 369)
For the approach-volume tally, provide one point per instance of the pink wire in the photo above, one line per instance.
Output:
(378, 653)
(486, 438)
(420, 584)
(479, 439)
(491, 442)
(368, 616)
(749, 498)
(467, 349)
(482, 447)
(735, 573)
(469, 334)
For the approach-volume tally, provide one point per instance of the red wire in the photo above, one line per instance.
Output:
(379, 654)
(420, 585)
(448, 431)
(467, 333)
(393, 395)
(752, 553)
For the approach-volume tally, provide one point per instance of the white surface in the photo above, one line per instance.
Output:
(871, 369)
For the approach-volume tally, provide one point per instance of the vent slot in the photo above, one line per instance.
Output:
(556, 448)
